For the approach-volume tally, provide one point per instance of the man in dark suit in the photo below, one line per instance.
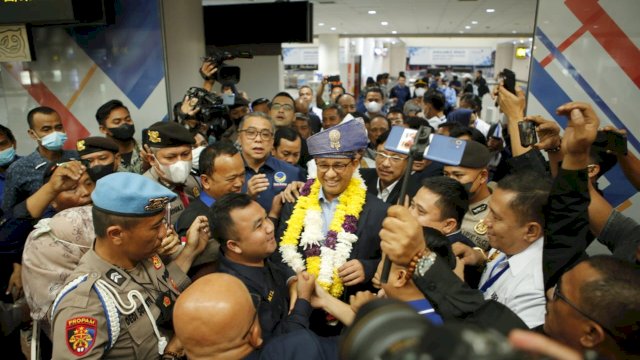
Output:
(334, 152)
(385, 181)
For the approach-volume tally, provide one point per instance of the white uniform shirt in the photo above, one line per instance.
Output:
(521, 286)
(384, 193)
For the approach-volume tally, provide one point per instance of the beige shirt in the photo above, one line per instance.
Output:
(191, 189)
(80, 326)
(51, 253)
(471, 226)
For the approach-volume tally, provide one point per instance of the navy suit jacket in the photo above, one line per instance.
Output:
(370, 177)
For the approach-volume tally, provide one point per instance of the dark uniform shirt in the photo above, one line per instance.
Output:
(279, 174)
(270, 283)
(81, 327)
(132, 162)
(24, 177)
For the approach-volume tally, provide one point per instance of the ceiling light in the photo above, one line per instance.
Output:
(521, 41)
(333, 29)
(393, 42)
(474, 22)
(320, 24)
(384, 23)
(461, 32)
(491, 10)
(530, 39)
(467, 27)
(394, 32)
(372, 12)
(514, 42)
(513, 31)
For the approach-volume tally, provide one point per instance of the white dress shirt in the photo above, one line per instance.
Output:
(384, 193)
(521, 286)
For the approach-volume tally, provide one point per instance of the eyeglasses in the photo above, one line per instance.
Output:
(256, 299)
(558, 295)
(251, 133)
(394, 159)
(338, 168)
(285, 107)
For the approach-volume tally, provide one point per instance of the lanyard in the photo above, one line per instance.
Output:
(494, 278)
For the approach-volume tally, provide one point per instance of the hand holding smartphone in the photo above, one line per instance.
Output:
(527, 130)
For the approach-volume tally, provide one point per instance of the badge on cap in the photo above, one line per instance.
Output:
(334, 138)
(156, 204)
(81, 334)
(80, 145)
(154, 136)
(480, 228)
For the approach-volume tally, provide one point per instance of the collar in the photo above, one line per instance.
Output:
(206, 198)
(422, 306)
(269, 163)
(522, 260)
(253, 273)
(389, 188)
(323, 198)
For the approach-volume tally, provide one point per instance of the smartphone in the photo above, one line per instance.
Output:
(333, 78)
(528, 134)
(508, 78)
(444, 149)
(228, 99)
(612, 141)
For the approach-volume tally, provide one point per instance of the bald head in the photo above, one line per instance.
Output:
(212, 316)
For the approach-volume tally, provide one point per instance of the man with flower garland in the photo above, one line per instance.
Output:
(332, 229)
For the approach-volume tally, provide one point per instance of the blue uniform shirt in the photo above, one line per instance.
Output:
(279, 174)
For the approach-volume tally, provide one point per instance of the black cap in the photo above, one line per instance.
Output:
(168, 134)
(475, 155)
(93, 144)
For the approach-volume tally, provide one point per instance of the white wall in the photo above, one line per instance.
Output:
(262, 76)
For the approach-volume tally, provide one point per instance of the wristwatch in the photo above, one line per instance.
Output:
(425, 263)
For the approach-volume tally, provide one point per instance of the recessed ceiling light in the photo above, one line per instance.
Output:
(521, 41)
(320, 24)
(467, 27)
(371, 12)
(513, 31)
(491, 10)
(384, 23)
(394, 32)
(333, 29)
(514, 42)
(474, 22)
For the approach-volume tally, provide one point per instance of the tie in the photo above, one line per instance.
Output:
(182, 195)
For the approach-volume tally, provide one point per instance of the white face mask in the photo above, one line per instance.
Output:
(177, 172)
(195, 157)
(420, 92)
(373, 107)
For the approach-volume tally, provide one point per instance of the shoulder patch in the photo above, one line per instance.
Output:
(478, 209)
(81, 334)
(157, 263)
(115, 277)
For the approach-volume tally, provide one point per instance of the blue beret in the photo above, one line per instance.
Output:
(339, 141)
(130, 194)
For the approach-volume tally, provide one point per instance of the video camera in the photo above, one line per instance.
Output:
(227, 73)
(392, 330)
(212, 112)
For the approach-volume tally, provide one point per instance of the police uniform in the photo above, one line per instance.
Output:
(109, 312)
(166, 135)
(94, 144)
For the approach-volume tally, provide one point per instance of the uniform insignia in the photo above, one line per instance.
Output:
(154, 136)
(334, 138)
(270, 296)
(80, 145)
(478, 209)
(156, 203)
(480, 228)
(166, 301)
(196, 191)
(280, 177)
(115, 277)
(157, 263)
(81, 334)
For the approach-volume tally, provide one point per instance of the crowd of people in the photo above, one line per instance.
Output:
(277, 228)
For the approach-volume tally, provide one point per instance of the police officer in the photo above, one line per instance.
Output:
(99, 155)
(121, 294)
(170, 158)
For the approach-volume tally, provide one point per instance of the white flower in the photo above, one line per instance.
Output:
(312, 233)
(291, 256)
(326, 265)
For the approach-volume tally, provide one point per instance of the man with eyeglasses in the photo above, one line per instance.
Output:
(334, 151)
(215, 318)
(385, 181)
(265, 176)
(282, 109)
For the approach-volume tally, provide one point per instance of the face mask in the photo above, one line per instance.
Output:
(54, 141)
(420, 92)
(195, 157)
(467, 187)
(99, 171)
(7, 155)
(178, 172)
(123, 132)
(373, 107)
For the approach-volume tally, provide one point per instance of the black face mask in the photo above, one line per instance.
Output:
(99, 171)
(123, 132)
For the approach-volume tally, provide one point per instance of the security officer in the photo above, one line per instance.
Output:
(473, 174)
(170, 158)
(122, 294)
(99, 155)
